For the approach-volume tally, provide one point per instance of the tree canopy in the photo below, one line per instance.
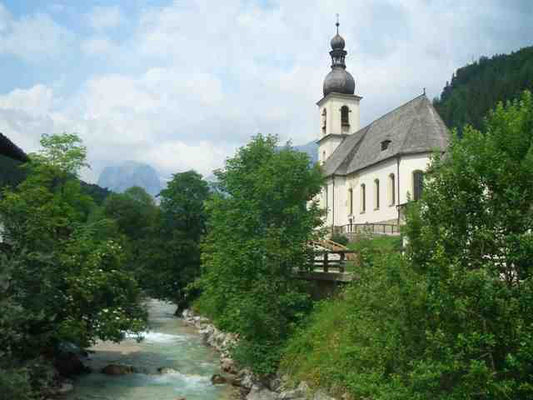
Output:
(62, 270)
(258, 227)
(477, 88)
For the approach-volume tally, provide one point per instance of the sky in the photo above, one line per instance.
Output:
(182, 84)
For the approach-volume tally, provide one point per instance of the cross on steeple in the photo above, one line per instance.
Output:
(337, 23)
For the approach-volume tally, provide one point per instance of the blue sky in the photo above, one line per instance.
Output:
(182, 84)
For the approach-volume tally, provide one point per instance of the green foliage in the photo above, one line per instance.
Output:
(62, 274)
(340, 239)
(453, 318)
(65, 152)
(478, 87)
(134, 211)
(258, 228)
(361, 341)
(170, 258)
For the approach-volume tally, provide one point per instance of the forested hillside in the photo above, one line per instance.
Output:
(478, 87)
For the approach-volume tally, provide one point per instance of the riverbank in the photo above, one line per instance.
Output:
(251, 387)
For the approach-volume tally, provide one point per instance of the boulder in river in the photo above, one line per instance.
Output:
(166, 370)
(117, 369)
(69, 364)
(218, 379)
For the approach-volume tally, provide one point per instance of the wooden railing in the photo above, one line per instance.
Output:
(379, 229)
(334, 259)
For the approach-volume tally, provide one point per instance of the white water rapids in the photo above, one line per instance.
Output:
(169, 344)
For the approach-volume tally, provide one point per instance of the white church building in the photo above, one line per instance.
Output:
(371, 171)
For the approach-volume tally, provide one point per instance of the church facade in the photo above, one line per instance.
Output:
(372, 171)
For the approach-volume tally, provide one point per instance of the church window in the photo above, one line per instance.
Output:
(324, 121)
(350, 200)
(392, 190)
(385, 145)
(345, 116)
(376, 196)
(418, 184)
(323, 156)
(363, 198)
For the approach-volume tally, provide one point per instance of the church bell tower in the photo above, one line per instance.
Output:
(339, 108)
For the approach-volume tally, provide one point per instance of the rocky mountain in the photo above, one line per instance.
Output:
(120, 177)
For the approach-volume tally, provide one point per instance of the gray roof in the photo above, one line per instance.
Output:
(412, 128)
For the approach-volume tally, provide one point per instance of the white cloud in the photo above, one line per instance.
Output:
(196, 79)
(32, 37)
(97, 46)
(104, 17)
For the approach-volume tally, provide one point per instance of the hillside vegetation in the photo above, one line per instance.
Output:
(476, 88)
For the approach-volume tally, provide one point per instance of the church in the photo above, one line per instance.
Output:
(371, 172)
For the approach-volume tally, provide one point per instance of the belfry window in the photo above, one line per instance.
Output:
(345, 116)
(418, 184)
(324, 121)
(350, 200)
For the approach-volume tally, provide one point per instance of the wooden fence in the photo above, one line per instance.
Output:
(334, 259)
(372, 229)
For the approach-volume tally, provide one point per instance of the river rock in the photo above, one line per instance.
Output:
(261, 393)
(228, 365)
(218, 379)
(117, 369)
(166, 370)
(68, 364)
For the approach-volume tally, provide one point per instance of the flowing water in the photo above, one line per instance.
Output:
(169, 344)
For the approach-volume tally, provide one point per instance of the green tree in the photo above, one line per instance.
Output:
(172, 257)
(258, 228)
(471, 238)
(60, 274)
(134, 211)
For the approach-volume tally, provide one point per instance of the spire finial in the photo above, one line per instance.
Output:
(337, 23)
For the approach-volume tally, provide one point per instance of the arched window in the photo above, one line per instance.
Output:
(345, 116)
(418, 184)
(363, 198)
(392, 190)
(376, 194)
(324, 121)
(323, 156)
(350, 200)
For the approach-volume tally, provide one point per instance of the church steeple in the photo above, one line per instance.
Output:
(338, 80)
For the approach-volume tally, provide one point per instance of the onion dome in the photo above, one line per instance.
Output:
(338, 80)
(337, 43)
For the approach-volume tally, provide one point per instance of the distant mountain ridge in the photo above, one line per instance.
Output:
(121, 177)
(311, 149)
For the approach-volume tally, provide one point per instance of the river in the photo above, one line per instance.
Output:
(170, 344)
